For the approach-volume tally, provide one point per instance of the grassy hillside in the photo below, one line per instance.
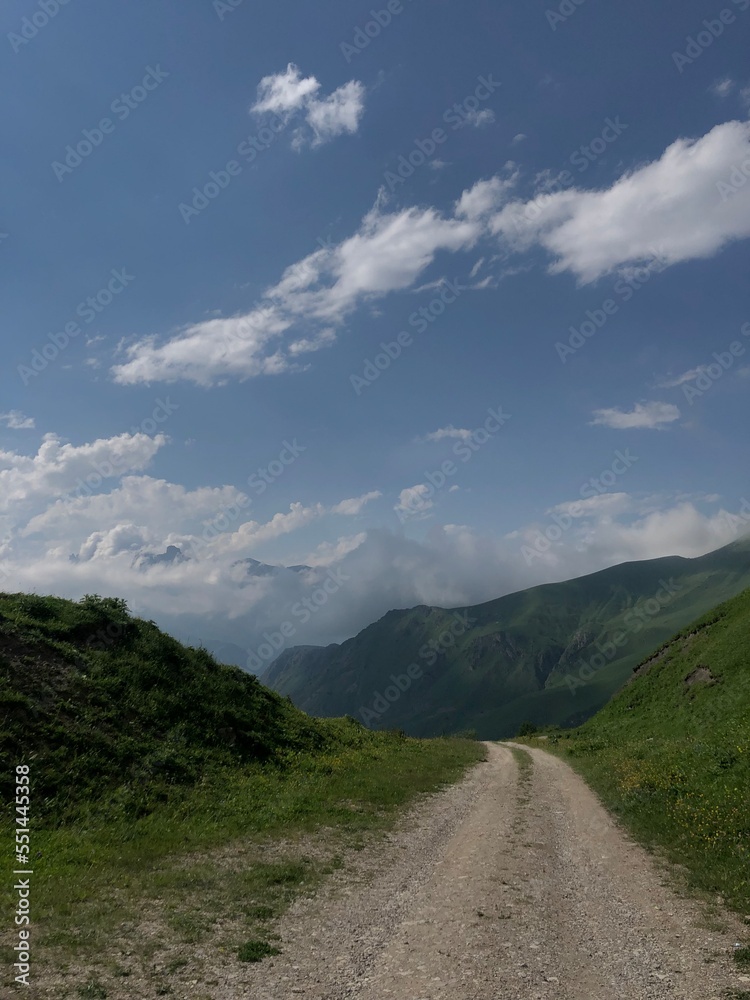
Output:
(670, 753)
(108, 702)
(170, 799)
(547, 654)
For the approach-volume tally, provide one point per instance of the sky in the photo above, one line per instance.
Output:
(423, 302)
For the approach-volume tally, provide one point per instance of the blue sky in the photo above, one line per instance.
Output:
(561, 189)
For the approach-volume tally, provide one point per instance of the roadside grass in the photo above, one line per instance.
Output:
(670, 754)
(212, 869)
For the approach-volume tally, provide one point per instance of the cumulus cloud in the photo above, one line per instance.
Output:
(414, 500)
(458, 433)
(671, 205)
(355, 505)
(106, 542)
(338, 113)
(643, 416)
(59, 468)
(285, 94)
(16, 421)
(388, 253)
(670, 209)
(487, 196)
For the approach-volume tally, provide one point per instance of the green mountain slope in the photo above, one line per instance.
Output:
(670, 753)
(99, 702)
(551, 654)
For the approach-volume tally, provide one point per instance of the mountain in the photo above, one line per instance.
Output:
(551, 654)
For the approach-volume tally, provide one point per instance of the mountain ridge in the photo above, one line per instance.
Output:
(547, 653)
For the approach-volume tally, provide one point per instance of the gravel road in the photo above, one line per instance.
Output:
(512, 885)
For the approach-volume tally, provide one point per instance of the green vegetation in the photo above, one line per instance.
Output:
(527, 729)
(256, 951)
(670, 754)
(175, 801)
(550, 655)
(106, 706)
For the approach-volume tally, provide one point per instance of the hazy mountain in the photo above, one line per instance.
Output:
(554, 653)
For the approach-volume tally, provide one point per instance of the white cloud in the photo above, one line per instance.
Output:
(284, 93)
(58, 469)
(114, 536)
(414, 500)
(517, 139)
(672, 382)
(723, 88)
(339, 113)
(206, 352)
(644, 416)
(478, 119)
(487, 196)
(355, 505)
(329, 553)
(459, 433)
(287, 93)
(387, 254)
(670, 209)
(16, 421)
(671, 206)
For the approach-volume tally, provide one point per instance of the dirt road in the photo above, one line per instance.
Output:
(514, 884)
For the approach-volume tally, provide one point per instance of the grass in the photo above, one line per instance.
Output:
(174, 799)
(256, 951)
(670, 754)
(199, 863)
